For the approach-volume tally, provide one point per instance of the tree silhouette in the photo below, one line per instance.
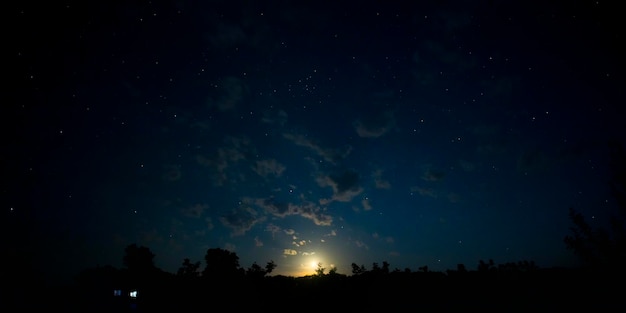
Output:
(270, 266)
(188, 269)
(461, 268)
(257, 272)
(484, 267)
(138, 258)
(319, 271)
(221, 263)
(224, 277)
(332, 271)
(601, 247)
(385, 268)
(595, 246)
(375, 267)
(357, 270)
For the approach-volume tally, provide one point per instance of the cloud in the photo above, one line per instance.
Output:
(374, 125)
(311, 211)
(209, 223)
(433, 175)
(222, 161)
(240, 221)
(227, 94)
(268, 167)
(433, 58)
(290, 252)
(172, 173)
(279, 118)
(250, 30)
(305, 209)
(428, 192)
(195, 211)
(361, 244)
(387, 239)
(258, 242)
(379, 181)
(366, 204)
(533, 159)
(273, 229)
(453, 197)
(501, 89)
(272, 206)
(230, 247)
(467, 165)
(227, 34)
(329, 155)
(345, 186)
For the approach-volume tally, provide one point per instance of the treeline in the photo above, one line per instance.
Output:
(223, 284)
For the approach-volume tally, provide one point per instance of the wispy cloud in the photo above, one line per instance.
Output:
(361, 244)
(345, 186)
(374, 125)
(279, 118)
(268, 167)
(228, 93)
(195, 211)
(427, 192)
(273, 229)
(329, 155)
(240, 221)
(304, 208)
(433, 175)
(379, 182)
(221, 163)
(172, 172)
(366, 204)
(258, 242)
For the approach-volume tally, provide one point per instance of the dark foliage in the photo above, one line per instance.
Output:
(604, 248)
(511, 286)
(508, 286)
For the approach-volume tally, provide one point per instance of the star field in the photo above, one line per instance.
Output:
(414, 133)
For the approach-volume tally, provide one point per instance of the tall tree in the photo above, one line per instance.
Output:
(138, 258)
(603, 247)
(221, 263)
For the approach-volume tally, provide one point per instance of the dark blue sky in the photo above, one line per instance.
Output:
(432, 133)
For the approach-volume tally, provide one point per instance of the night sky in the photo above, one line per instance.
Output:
(417, 133)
